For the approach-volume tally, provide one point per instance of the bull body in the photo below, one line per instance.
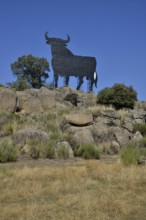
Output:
(66, 64)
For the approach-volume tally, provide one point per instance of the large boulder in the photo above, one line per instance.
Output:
(28, 134)
(89, 99)
(46, 101)
(108, 113)
(81, 136)
(35, 100)
(137, 136)
(128, 122)
(83, 99)
(46, 98)
(122, 136)
(108, 116)
(63, 150)
(101, 133)
(80, 119)
(28, 103)
(29, 141)
(7, 100)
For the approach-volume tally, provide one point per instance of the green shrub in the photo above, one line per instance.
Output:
(120, 96)
(63, 152)
(34, 152)
(8, 129)
(56, 136)
(35, 148)
(51, 127)
(8, 151)
(141, 128)
(48, 150)
(142, 142)
(5, 118)
(8, 123)
(19, 85)
(141, 145)
(51, 116)
(88, 151)
(130, 155)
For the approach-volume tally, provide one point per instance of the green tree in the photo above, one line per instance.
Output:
(33, 70)
(119, 96)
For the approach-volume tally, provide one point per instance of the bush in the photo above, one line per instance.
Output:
(88, 151)
(51, 116)
(141, 145)
(8, 151)
(19, 85)
(130, 155)
(63, 152)
(8, 129)
(7, 124)
(120, 96)
(35, 147)
(142, 142)
(141, 128)
(48, 150)
(5, 118)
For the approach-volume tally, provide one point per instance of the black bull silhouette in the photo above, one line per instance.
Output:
(66, 64)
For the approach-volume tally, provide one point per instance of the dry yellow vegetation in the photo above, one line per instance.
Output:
(87, 190)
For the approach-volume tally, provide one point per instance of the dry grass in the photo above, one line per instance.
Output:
(86, 190)
(100, 107)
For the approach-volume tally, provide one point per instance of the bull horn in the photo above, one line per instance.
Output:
(68, 39)
(46, 36)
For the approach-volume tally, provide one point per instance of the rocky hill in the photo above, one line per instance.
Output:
(65, 119)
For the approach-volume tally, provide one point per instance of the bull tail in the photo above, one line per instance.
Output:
(95, 78)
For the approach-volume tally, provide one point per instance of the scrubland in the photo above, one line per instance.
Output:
(88, 189)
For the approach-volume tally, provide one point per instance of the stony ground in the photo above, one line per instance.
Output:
(26, 162)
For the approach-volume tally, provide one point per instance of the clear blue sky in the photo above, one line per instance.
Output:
(113, 31)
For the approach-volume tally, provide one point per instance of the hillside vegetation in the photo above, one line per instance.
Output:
(63, 123)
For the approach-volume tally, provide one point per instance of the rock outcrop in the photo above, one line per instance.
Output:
(106, 127)
(85, 122)
(7, 100)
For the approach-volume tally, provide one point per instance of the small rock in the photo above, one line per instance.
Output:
(142, 161)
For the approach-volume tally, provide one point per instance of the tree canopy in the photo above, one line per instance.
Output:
(33, 70)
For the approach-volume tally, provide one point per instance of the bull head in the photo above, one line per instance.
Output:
(56, 40)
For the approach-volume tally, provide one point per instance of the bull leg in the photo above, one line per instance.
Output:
(91, 81)
(56, 80)
(80, 82)
(66, 80)
(91, 87)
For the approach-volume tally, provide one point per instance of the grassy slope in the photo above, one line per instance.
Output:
(86, 190)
